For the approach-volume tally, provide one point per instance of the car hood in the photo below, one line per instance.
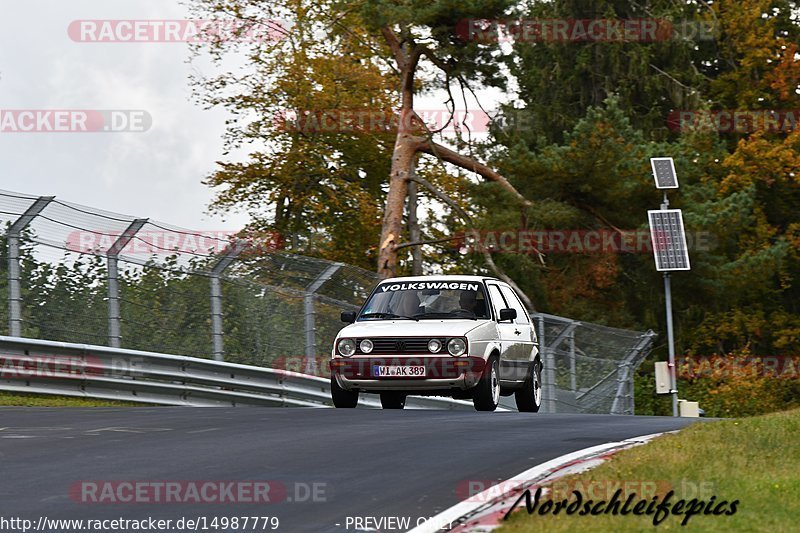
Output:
(411, 328)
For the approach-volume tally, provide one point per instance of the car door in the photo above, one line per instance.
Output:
(524, 341)
(506, 332)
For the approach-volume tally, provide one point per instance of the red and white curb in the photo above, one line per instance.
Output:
(484, 511)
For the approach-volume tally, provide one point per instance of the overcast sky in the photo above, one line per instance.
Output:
(155, 174)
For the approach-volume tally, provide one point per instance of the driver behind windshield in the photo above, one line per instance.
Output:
(468, 300)
(409, 304)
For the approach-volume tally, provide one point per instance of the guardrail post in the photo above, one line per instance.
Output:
(217, 344)
(13, 236)
(112, 260)
(310, 315)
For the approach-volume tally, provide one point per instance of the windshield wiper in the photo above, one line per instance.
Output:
(387, 315)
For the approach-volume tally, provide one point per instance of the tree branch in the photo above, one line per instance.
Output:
(487, 256)
(432, 241)
(467, 163)
(443, 197)
(395, 46)
(502, 275)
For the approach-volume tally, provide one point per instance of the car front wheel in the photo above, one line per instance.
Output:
(393, 400)
(342, 398)
(529, 397)
(487, 391)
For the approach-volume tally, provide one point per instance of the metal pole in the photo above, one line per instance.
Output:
(14, 291)
(113, 302)
(548, 386)
(310, 315)
(671, 345)
(14, 296)
(218, 351)
(217, 346)
(112, 263)
(572, 377)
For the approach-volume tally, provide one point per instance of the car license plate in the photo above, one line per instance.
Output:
(395, 371)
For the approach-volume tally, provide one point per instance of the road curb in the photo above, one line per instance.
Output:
(483, 511)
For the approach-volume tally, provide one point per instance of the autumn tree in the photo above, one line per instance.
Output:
(384, 54)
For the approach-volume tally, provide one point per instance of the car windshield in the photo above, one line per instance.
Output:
(427, 300)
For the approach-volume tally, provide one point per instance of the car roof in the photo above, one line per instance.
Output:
(441, 277)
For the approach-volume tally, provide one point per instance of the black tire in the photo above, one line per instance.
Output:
(343, 399)
(529, 397)
(393, 400)
(487, 391)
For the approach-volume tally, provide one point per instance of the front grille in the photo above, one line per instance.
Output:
(401, 345)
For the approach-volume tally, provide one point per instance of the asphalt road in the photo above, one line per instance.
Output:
(324, 465)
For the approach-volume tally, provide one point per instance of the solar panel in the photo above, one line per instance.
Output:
(669, 240)
(664, 172)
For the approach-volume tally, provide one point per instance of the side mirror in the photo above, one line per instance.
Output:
(507, 314)
(348, 316)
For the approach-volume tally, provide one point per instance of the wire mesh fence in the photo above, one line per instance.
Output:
(78, 274)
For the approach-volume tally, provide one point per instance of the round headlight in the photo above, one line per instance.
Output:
(456, 347)
(366, 345)
(346, 347)
(434, 345)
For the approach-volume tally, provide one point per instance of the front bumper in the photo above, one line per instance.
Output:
(441, 373)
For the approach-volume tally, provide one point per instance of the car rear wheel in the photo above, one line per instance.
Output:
(487, 391)
(393, 400)
(529, 397)
(342, 398)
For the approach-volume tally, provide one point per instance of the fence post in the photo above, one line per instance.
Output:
(310, 315)
(14, 291)
(217, 345)
(112, 259)
(548, 385)
(572, 370)
(623, 398)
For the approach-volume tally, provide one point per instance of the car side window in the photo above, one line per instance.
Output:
(498, 302)
(513, 300)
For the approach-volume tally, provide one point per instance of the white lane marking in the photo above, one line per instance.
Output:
(44, 428)
(449, 517)
(126, 430)
(202, 431)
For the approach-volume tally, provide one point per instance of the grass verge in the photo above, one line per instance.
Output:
(40, 400)
(753, 460)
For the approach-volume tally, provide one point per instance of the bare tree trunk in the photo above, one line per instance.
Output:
(402, 160)
(413, 223)
(407, 55)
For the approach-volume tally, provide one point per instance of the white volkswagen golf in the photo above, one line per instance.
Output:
(466, 337)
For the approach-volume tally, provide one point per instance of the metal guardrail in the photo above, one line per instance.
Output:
(83, 370)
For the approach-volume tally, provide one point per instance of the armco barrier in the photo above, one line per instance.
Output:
(83, 370)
